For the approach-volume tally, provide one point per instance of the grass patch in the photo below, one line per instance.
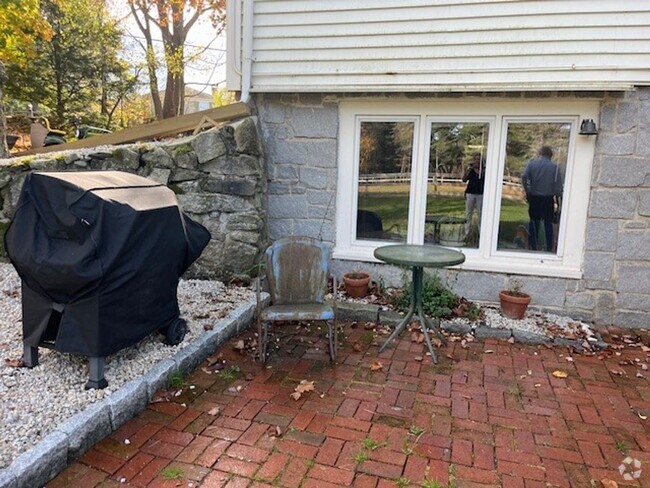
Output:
(416, 430)
(172, 473)
(360, 457)
(230, 374)
(392, 206)
(514, 390)
(367, 338)
(427, 483)
(371, 444)
(175, 380)
(402, 481)
(622, 447)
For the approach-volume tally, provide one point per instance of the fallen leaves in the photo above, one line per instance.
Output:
(607, 483)
(376, 366)
(303, 387)
(560, 374)
(14, 363)
(214, 411)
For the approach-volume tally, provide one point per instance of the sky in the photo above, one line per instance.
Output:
(200, 75)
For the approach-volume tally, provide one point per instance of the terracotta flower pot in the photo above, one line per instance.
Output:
(356, 284)
(513, 306)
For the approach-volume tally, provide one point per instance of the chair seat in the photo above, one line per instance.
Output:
(306, 311)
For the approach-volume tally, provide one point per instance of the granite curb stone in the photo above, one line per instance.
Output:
(49, 457)
(40, 464)
(86, 428)
(493, 333)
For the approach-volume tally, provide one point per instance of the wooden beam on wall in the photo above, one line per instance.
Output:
(153, 130)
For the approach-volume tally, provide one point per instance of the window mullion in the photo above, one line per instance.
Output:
(417, 200)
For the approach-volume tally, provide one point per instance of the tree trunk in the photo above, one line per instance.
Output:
(4, 150)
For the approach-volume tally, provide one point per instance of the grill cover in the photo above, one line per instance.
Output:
(100, 255)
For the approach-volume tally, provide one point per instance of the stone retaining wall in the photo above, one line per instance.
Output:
(218, 176)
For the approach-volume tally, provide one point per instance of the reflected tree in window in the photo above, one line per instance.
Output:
(532, 186)
(385, 158)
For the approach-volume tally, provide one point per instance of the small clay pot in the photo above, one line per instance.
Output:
(513, 306)
(356, 284)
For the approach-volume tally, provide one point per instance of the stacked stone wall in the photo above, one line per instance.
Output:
(218, 176)
(300, 136)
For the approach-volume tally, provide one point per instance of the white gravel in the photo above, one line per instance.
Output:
(34, 401)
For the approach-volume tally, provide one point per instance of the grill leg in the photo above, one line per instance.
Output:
(30, 355)
(96, 378)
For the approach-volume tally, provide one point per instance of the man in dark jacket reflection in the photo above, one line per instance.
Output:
(542, 182)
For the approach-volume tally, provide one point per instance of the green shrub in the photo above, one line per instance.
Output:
(437, 300)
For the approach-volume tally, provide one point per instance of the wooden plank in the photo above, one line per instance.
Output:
(159, 128)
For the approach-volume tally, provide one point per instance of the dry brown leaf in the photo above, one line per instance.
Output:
(436, 342)
(214, 411)
(357, 347)
(418, 358)
(14, 363)
(212, 360)
(607, 483)
(296, 395)
(417, 337)
(239, 345)
(304, 386)
(488, 351)
(511, 340)
(376, 366)
(560, 374)
(641, 416)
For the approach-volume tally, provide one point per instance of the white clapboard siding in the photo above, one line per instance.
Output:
(446, 45)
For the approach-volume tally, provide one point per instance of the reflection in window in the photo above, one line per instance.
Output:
(385, 156)
(533, 183)
(456, 181)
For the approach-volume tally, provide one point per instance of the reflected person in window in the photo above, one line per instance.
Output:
(475, 177)
(542, 182)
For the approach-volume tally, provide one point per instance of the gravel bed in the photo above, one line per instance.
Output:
(34, 401)
(534, 322)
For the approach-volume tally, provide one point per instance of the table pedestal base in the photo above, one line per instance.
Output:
(425, 323)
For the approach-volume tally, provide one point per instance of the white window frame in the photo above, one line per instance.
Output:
(567, 263)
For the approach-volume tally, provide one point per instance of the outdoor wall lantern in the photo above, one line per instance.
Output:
(588, 127)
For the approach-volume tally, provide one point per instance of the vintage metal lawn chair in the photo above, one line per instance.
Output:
(297, 270)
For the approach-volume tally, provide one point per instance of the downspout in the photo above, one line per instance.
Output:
(247, 50)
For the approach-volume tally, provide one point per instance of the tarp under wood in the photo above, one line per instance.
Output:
(100, 255)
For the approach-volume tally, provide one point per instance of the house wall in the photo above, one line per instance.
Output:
(424, 46)
(300, 138)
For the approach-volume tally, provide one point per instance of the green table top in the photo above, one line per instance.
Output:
(427, 256)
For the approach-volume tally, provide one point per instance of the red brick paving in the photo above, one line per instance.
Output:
(488, 415)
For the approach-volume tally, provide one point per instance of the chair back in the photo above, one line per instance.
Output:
(297, 269)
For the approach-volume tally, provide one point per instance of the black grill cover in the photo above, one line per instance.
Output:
(101, 254)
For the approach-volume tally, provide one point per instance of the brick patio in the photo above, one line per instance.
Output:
(489, 414)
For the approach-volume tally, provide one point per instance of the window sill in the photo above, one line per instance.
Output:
(543, 266)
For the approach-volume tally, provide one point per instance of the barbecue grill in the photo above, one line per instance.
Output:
(100, 255)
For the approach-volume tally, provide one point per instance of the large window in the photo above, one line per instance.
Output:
(506, 182)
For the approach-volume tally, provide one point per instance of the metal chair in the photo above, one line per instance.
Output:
(297, 270)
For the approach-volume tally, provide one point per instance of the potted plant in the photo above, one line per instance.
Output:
(513, 301)
(356, 283)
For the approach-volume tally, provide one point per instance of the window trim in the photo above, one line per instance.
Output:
(500, 111)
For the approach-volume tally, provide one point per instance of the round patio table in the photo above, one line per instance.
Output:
(418, 257)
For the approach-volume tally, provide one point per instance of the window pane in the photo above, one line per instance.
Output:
(386, 150)
(533, 182)
(455, 185)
